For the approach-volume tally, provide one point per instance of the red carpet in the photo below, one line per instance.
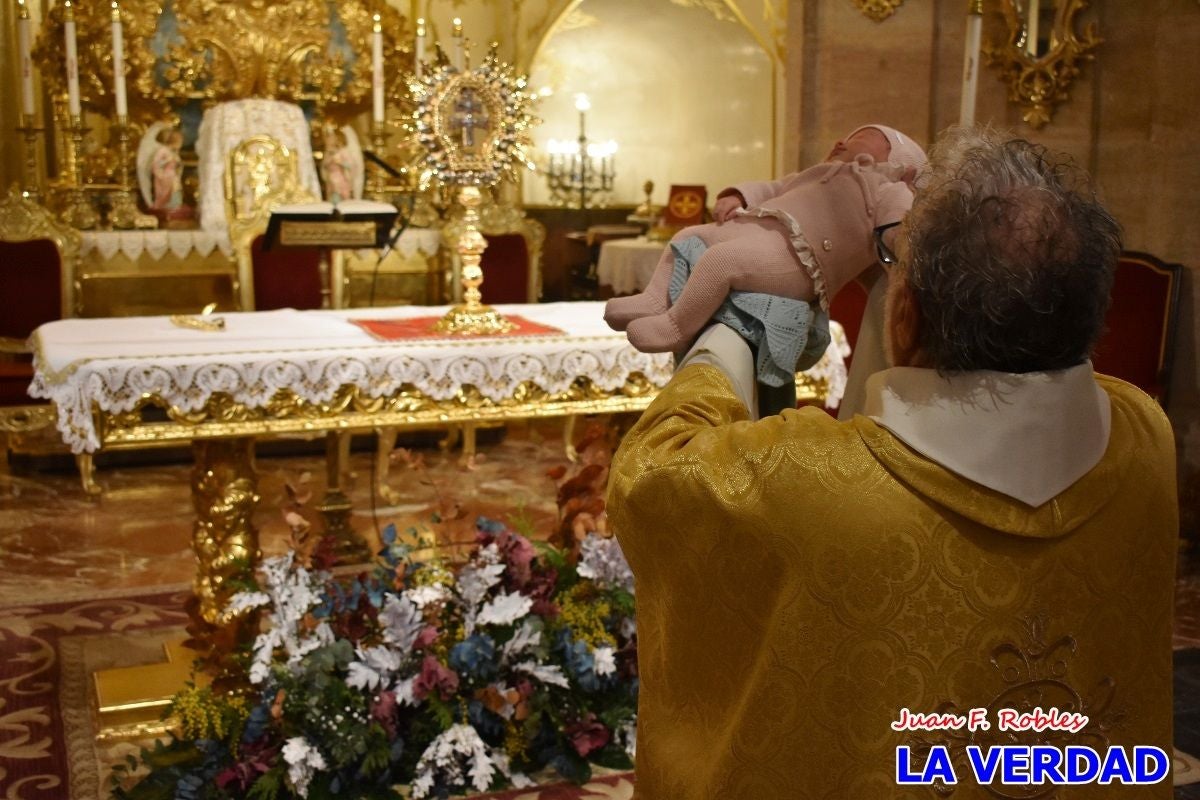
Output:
(35, 759)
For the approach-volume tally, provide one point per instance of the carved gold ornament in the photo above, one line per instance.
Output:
(1041, 79)
(878, 10)
(303, 51)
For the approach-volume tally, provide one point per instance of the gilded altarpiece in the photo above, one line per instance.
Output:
(181, 58)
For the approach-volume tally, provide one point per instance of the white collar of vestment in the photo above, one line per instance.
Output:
(1029, 436)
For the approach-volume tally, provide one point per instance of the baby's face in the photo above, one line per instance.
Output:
(868, 141)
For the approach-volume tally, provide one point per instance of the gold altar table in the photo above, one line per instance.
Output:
(132, 382)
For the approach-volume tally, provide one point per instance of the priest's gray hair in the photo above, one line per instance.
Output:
(1010, 256)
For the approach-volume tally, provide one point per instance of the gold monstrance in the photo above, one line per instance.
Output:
(474, 125)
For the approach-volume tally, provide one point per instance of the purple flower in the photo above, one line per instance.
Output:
(587, 734)
(435, 677)
(383, 711)
(426, 637)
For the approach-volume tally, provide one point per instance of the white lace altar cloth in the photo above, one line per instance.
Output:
(223, 127)
(112, 362)
(155, 244)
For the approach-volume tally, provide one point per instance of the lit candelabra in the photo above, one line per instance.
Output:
(579, 173)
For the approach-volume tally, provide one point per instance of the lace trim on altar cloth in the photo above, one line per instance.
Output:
(119, 387)
(800, 245)
(156, 244)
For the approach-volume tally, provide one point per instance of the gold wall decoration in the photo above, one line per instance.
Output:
(1038, 62)
(878, 10)
(312, 51)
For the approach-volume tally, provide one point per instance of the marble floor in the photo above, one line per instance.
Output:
(57, 543)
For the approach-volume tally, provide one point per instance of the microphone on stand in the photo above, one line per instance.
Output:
(383, 165)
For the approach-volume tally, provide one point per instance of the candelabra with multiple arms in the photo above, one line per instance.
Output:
(579, 173)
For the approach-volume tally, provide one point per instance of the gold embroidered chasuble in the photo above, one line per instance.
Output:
(800, 580)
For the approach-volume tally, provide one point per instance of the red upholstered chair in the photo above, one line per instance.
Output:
(512, 262)
(506, 269)
(1138, 344)
(261, 175)
(38, 257)
(37, 278)
(847, 308)
(285, 277)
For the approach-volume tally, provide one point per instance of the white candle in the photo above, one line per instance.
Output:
(118, 57)
(377, 70)
(459, 59)
(26, 62)
(73, 108)
(1031, 28)
(966, 111)
(419, 55)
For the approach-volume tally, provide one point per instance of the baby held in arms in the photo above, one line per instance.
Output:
(802, 237)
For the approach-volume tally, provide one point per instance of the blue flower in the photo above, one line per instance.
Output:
(489, 725)
(581, 663)
(257, 722)
(485, 525)
(475, 656)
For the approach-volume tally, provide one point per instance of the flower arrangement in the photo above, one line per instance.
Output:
(418, 679)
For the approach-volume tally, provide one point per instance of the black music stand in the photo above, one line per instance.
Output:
(352, 225)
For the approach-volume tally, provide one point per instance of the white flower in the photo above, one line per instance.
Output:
(546, 673)
(291, 591)
(244, 601)
(627, 736)
(426, 595)
(303, 762)
(605, 660)
(519, 780)
(504, 609)
(528, 636)
(455, 756)
(375, 669)
(402, 622)
(601, 560)
(404, 691)
(474, 582)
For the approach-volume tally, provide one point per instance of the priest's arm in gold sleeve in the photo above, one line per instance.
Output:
(979, 539)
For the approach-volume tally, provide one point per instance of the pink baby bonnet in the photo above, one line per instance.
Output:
(905, 151)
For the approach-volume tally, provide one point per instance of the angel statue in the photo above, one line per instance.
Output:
(342, 164)
(160, 171)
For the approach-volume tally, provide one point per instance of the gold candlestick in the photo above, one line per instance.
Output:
(472, 317)
(124, 212)
(79, 211)
(375, 187)
(29, 131)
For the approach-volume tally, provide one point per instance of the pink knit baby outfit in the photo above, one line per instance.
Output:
(802, 237)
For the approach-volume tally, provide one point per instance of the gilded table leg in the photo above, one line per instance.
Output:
(224, 491)
(569, 438)
(335, 507)
(468, 443)
(87, 474)
(383, 464)
(451, 439)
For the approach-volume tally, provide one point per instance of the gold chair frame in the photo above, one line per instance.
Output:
(23, 220)
(268, 169)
